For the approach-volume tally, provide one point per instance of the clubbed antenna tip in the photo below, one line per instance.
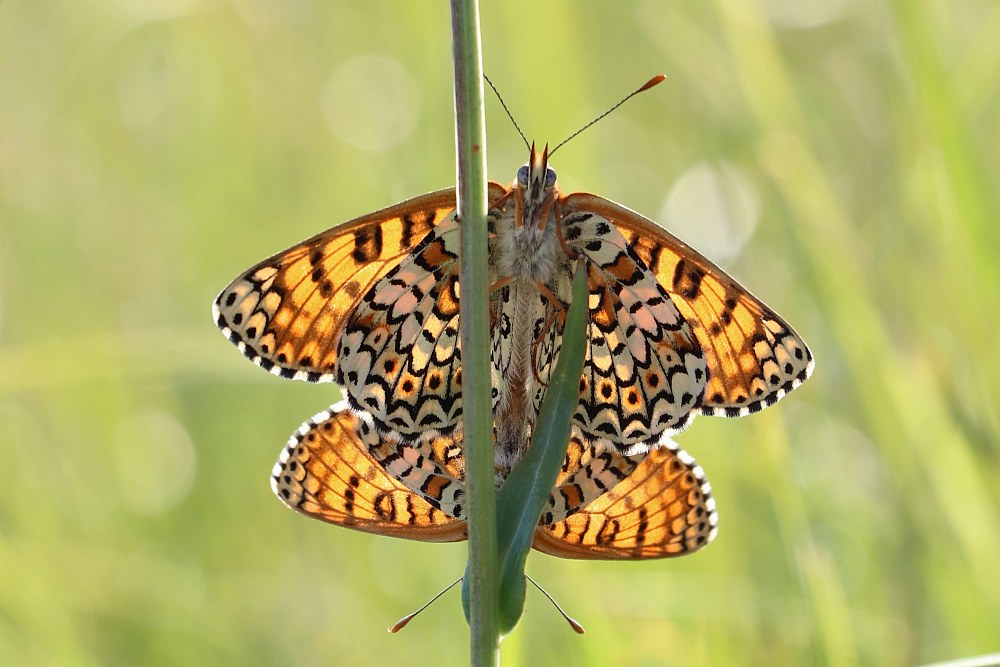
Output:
(644, 87)
(573, 623)
(652, 82)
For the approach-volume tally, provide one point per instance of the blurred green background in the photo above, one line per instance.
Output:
(841, 158)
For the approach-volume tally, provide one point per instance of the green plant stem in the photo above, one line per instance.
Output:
(477, 418)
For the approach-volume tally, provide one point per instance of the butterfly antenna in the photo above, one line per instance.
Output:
(401, 623)
(644, 87)
(572, 622)
(509, 114)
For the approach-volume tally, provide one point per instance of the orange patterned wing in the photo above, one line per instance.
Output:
(589, 471)
(753, 356)
(644, 370)
(663, 508)
(286, 314)
(399, 352)
(327, 471)
(339, 469)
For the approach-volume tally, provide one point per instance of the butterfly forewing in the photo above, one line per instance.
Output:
(339, 469)
(663, 508)
(753, 357)
(287, 313)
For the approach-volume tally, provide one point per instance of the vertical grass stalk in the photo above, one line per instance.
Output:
(477, 418)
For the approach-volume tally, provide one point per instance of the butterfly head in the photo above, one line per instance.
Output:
(535, 177)
(537, 184)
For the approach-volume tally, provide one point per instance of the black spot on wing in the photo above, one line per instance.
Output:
(367, 244)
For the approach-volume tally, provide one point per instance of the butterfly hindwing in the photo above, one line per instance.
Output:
(644, 372)
(400, 358)
(753, 356)
(433, 468)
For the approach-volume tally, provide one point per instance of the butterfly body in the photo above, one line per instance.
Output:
(532, 277)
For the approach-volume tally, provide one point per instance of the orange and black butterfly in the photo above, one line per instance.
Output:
(373, 306)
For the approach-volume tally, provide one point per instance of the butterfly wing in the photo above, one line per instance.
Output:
(339, 469)
(399, 353)
(753, 356)
(327, 471)
(433, 468)
(663, 508)
(287, 313)
(644, 370)
(400, 359)
(588, 472)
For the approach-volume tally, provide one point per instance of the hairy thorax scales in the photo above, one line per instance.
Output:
(527, 252)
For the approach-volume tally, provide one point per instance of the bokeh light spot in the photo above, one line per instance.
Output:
(715, 206)
(155, 462)
(371, 102)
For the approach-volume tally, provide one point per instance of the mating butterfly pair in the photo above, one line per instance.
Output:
(373, 305)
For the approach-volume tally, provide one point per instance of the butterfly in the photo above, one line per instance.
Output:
(339, 468)
(373, 306)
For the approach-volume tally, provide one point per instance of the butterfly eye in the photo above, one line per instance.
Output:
(522, 175)
(550, 178)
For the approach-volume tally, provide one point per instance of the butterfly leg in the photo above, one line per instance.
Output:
(546, 205)
(495, 287)
(497, 204)
(503, 198)
(534, 348)
(500, 284)
(518, 208)
(550, 297)
(560, 312)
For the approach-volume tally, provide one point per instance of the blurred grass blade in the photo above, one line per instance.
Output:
(991, 660)
(523, 495)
